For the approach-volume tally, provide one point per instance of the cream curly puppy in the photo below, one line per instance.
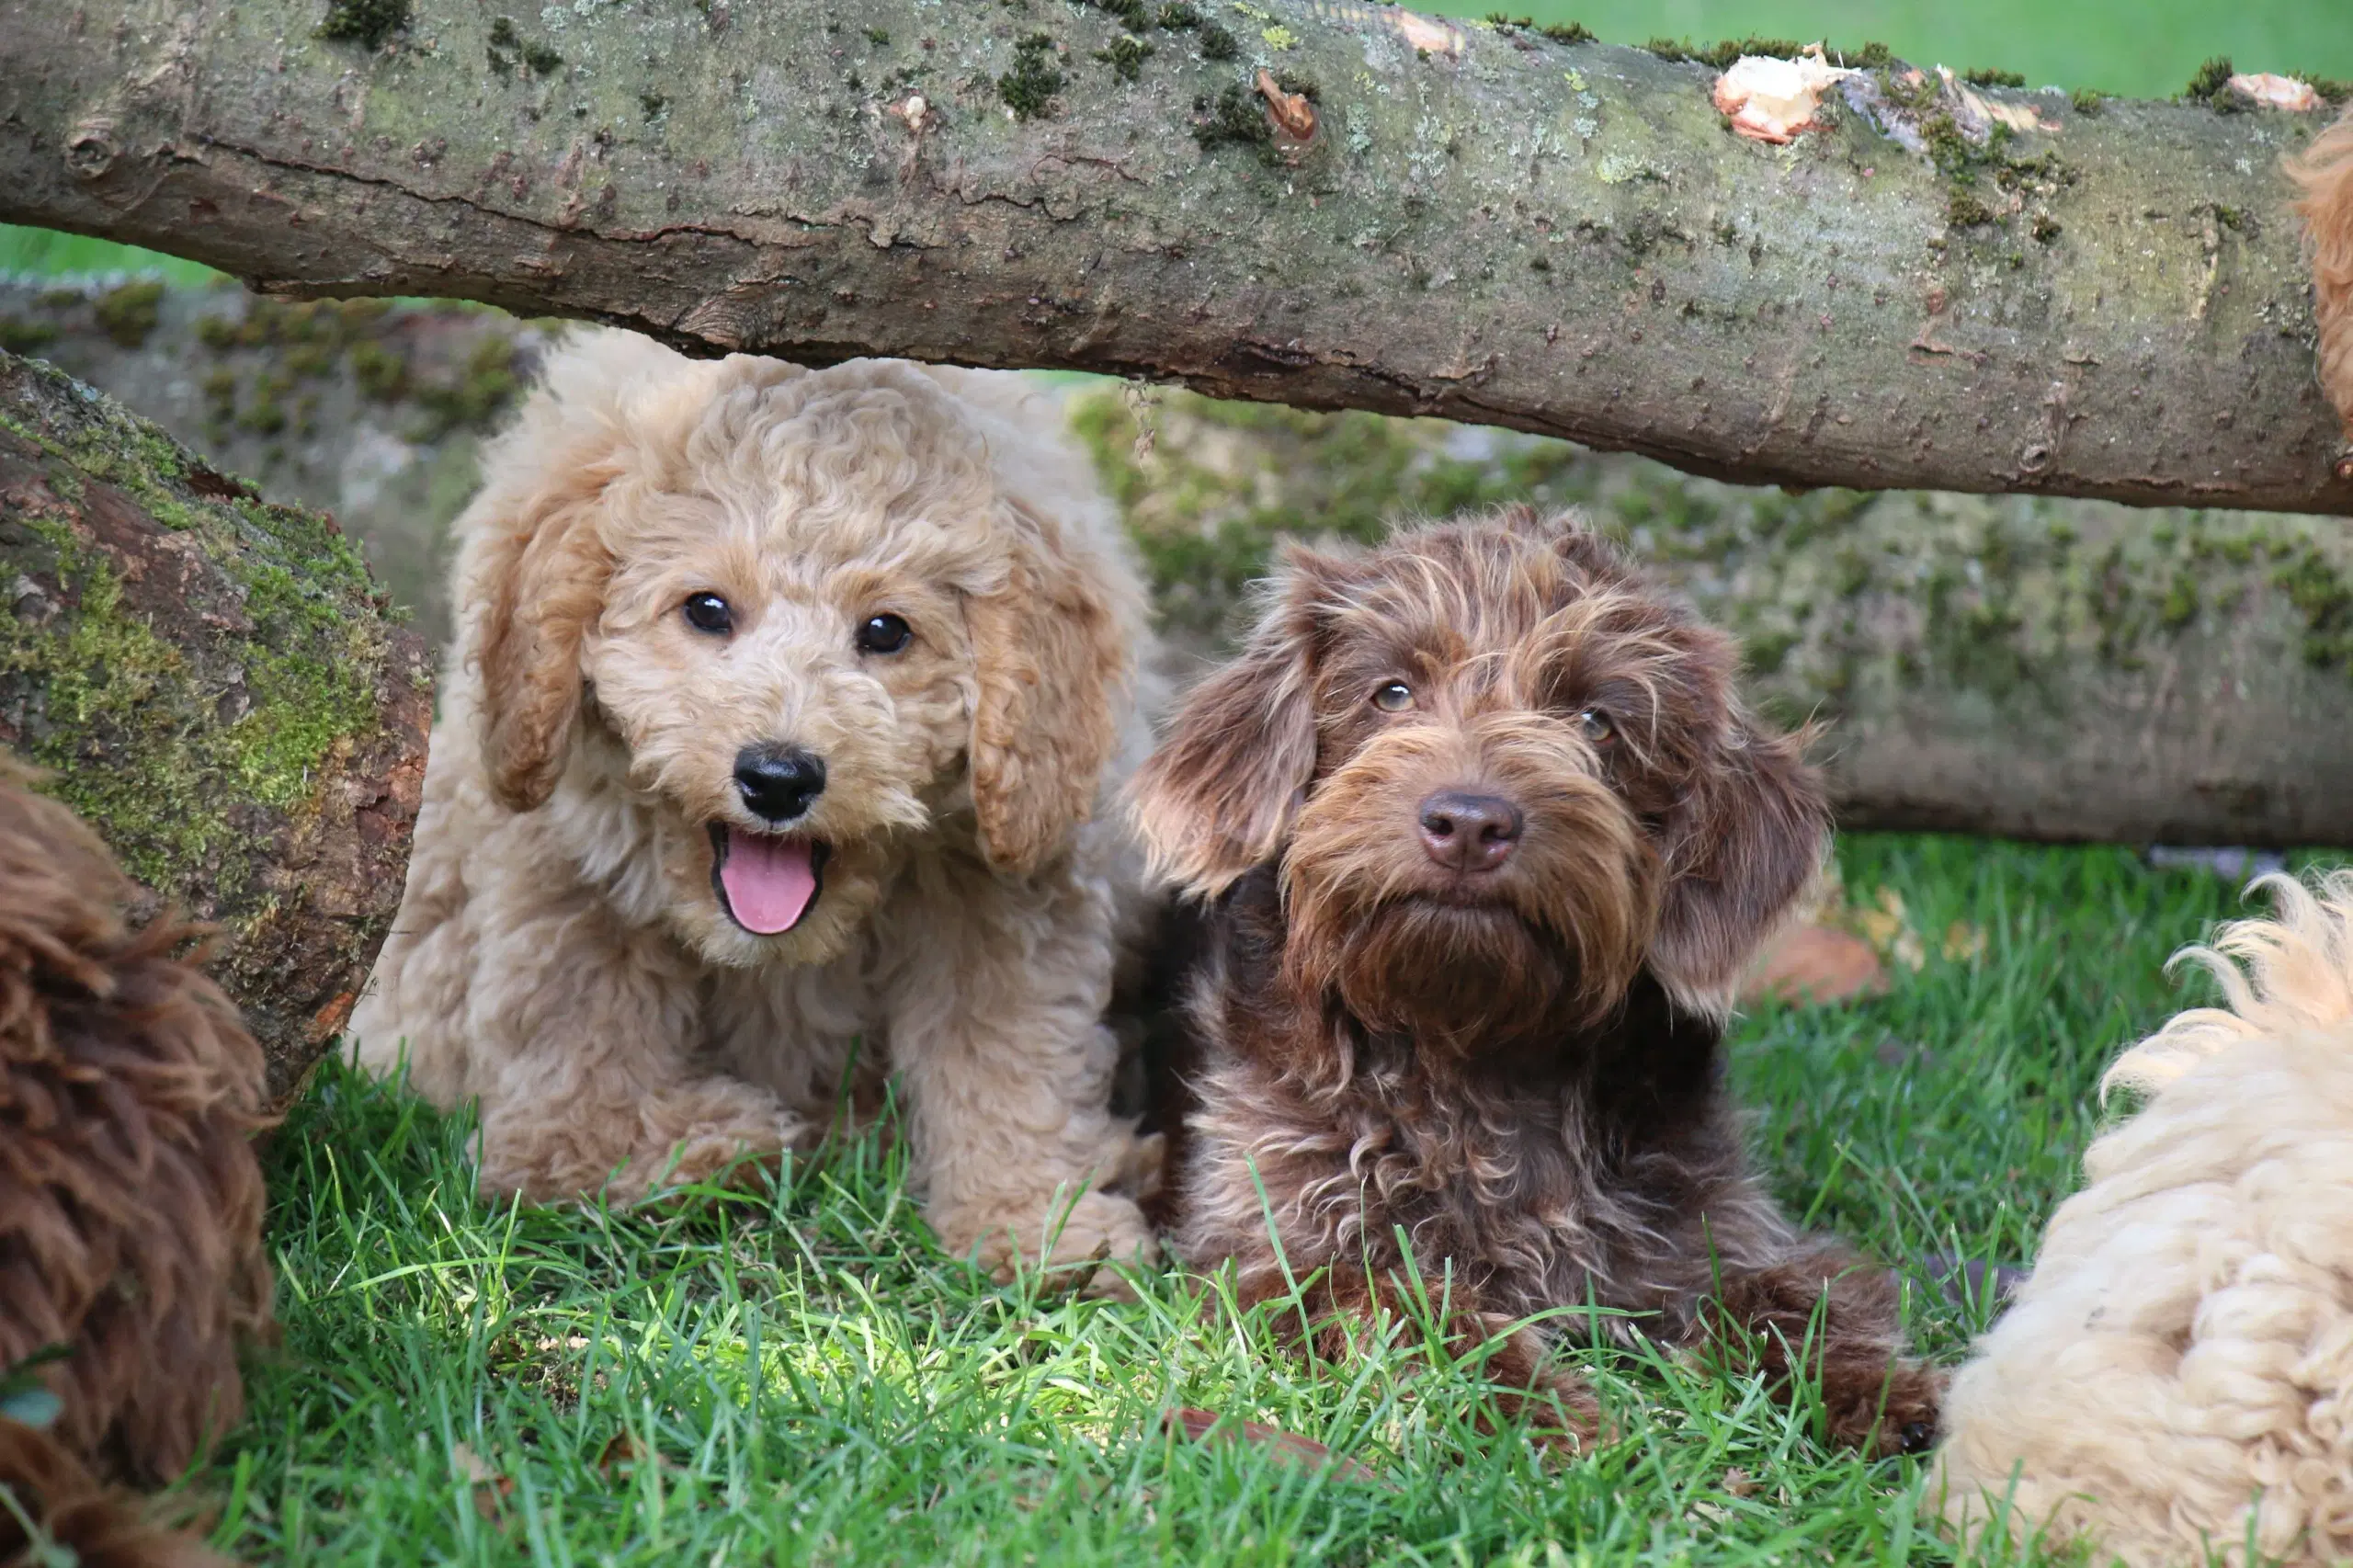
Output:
(769, 764)
(2176, 1377)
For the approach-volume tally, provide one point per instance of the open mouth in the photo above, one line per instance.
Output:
(767, 883)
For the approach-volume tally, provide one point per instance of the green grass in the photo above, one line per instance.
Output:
(802, 1377)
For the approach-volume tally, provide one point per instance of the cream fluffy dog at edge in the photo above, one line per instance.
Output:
(775, 756)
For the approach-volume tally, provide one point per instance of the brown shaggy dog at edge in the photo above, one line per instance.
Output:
(130, 1202)
(1489, 839)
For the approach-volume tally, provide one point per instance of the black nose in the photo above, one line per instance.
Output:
(777, 782)
(1469, 832)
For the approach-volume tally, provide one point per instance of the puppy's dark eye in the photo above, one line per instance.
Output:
(1394, 698)
(884, 634)
(1595, 726)
(708, 612)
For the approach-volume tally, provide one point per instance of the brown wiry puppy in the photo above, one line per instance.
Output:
(130, 1202)
(2325, 174)
(102, 1527)
(1489, 839)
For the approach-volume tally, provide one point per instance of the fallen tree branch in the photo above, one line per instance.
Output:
(1330, 204)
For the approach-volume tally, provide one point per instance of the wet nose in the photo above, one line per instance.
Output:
(1469, 832)
(777, 782)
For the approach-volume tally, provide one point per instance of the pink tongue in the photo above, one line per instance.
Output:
(770, 881)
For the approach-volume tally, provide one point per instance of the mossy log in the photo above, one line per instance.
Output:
(215, 683)
(2018, 665)
(370, 410)
(1326, 203)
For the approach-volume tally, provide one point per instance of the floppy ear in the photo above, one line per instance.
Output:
(1741, 847)
(543, 582)
(1051, 658)
(1219, 796)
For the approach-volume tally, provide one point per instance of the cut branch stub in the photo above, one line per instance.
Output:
(1485, 224)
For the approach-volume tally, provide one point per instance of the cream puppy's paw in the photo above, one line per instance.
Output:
(1072, 1240)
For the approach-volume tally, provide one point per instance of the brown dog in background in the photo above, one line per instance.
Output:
(131, 1200)
(1489, 839)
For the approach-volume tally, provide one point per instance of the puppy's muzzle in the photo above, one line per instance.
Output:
(1469, 832)
(777, 782)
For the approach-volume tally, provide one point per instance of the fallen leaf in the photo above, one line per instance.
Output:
(1739, 1482)
(1963, 942)
(1288, 1449)
(1882, 926)
(1769, 100)
(1816, 964)
(491, 1489)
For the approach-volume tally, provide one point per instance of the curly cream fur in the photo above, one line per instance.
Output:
(2176, 1377)
(561, 956)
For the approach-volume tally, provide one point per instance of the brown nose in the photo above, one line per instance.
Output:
(1469, 832)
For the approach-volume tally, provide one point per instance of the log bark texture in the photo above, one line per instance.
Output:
(1478, 223)
(216, 685)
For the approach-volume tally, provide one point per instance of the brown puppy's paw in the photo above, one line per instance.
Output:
(1897, 1414)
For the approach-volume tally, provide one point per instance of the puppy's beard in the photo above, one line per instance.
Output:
(1455, 977)
(1548, 943)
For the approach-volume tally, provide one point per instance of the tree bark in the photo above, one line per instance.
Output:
(1480, 223)
(214, 683)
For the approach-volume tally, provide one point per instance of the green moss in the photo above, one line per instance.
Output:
(1964, 210)
(381, 373)
(189, 753)
(1568, 32)
(2179, 607)
(2046, 228)
(542, 59)
(2325, 600)
(1217, 43)
(129, 312)
(483, 388)
(1988, 78)
(1236, 118)
(21, 335)
(1132, 12)
(1724, 53)
(1125, 57)
(366, 22)
(2211, 85)
(2088, 100)
(1029, 88)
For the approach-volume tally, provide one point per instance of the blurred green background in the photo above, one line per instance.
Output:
(2136, 47)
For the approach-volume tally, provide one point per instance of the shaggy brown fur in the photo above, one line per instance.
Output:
(104, 1527)
(130, 1202)
(2325, 174)
(1491, 1027)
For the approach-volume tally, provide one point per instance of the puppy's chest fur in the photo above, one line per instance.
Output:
(1599, 1163)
